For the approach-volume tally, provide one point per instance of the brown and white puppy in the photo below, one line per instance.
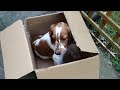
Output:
(54, 43)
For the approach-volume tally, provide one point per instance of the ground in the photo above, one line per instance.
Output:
(107, 71)
(8, 17)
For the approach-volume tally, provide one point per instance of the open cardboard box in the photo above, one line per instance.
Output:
(19, 59)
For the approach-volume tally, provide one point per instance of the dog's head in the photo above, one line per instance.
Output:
(61, 37)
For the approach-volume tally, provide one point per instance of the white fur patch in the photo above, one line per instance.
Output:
(58, 31)
(36, 42)
(58, 59)
(46, 38)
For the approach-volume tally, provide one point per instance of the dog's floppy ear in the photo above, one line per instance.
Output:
(52, 27)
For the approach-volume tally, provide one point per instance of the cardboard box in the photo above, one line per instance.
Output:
(19, 59)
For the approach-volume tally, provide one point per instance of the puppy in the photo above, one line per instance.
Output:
(54, 43)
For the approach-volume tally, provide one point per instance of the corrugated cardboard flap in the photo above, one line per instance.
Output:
(84, 69)
(80, 31)
(15, 51)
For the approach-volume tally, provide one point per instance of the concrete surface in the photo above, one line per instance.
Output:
(8, 17)
(107, 71)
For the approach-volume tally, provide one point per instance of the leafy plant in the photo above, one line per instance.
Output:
(111, 32)
(116, 63)
(116, 16)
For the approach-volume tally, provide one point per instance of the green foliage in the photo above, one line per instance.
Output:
(116, 16)
(111, 32)
(119, 41)
(116, 63)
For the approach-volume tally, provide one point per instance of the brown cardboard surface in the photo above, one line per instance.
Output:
(84, 69)
(78, 69)
(80, 31)
(16, 55)
(19, 58)
(40, 24)
(41, 63)
(29, 46)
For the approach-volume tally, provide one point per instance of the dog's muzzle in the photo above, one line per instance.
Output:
(58, 51)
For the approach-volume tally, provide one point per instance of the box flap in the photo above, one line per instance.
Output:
(16, 56)
(80, 31)
(83, 69)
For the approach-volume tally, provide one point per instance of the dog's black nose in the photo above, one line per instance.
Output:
(57, 52)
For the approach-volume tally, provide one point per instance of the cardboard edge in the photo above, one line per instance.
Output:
(29, 44)
(38, 71)
(61, 65)
(44, 15)
(78, 12)
(1, 36)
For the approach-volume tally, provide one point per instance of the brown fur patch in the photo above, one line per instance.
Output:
(65, 35)
(59, 24)
(51, 33)
(44, 49)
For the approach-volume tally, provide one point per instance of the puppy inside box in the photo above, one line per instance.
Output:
(39, 27)
(55, 44)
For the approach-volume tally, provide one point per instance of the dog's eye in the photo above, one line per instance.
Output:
(63, 38)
